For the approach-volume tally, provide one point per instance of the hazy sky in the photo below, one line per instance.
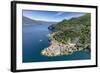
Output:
(53, 16)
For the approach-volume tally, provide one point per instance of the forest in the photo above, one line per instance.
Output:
(75, 30)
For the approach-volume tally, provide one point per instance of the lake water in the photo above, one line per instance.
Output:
(35, 39)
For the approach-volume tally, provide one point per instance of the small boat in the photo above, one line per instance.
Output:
(40, 40)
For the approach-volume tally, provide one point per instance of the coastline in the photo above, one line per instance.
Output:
(58, 49)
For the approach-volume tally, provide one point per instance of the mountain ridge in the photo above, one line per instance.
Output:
(28, 21)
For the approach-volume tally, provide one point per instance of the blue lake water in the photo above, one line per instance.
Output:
(35, 39)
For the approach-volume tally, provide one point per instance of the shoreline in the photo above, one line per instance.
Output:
(58, 49)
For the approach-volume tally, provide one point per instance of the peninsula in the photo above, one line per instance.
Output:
(69, 36)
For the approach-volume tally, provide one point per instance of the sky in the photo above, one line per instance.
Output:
(51, 16)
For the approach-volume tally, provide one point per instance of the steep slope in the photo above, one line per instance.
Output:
(75, 30)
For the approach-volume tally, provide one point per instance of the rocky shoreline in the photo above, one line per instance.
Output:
(57, 49)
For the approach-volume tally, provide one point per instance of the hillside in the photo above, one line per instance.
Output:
(75, 30)
(69, 36)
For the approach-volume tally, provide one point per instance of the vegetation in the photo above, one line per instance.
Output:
(76, 30)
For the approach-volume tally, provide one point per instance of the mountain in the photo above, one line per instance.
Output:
(28, 21)
(76, 30)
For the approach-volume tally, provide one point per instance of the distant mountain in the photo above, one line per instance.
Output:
(28, 21)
